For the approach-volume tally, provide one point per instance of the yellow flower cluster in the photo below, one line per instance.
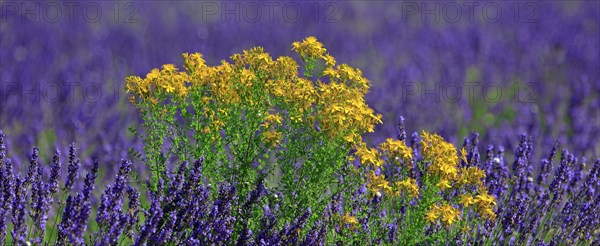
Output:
(167, 79)
(343, 107)
(272, 119)
(471, 176)
(409, 187)
(443, 170)
(444, 161)
(378, 183)
(309, 48)
(254, 78)
(350, 221)
(484, 205)
(397, 150)
(442, 155)
(446, 212)
(255, 58)
(272, 137)
(348, 75)
(299, 95)
(466, 200)
(368, 156)
(393, 150)
(194, 63)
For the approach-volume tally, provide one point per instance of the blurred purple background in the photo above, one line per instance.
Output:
(501, 68)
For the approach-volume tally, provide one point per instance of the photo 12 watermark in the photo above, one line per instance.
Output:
(450, 92)
(270, 11)
(69, 11)
(470, 11)
(60, 92)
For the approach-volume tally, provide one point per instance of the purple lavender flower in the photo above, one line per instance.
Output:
(54, 173)
(401, 132)
(473, 156)
(223, 221)
(2, 149)
(19, 211)
(166, 231)
(133, 210)
(68, 220)
(33, 167)
(3, 213)
(557, 186)
(267, 225)
(110, 218)
(5, 188)
(153, 215)
(80, 222)
(291, 235)
(177, 183)
(316, 235)
(8, 184)
(39, 210)
(392, 228)
(72, 168)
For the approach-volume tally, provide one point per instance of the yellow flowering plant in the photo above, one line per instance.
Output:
(255, 117)
(433, 199)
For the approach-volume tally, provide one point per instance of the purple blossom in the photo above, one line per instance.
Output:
(110, 218)
(133, 209)
(401, 132)
(81, 220)
(72, 168)
(153, 215)
(32, 171)
(55, 166)
(19, 209)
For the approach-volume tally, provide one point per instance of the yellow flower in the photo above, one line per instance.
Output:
(137, 85)
(168, 88)
(247, 77)
(466, 200)
(484, 204)
(472, 176)
(385, 185)
(257, 58)
(368, 156)
(270, 119)
(463, 154)
(488, 213)
(169, 68)
(377, 183)
(331, 73)
(272, 137)
(409, 186)
(396, 148)
(350, 220)
(329, 60)
(353, 138)
(476, 175)
(443, 184)
(449, 214)
(485, 200)
(433, 214)
(309, 48)
(443, 156)
(194, 63)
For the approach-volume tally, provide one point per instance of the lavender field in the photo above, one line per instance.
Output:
(300, 123)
